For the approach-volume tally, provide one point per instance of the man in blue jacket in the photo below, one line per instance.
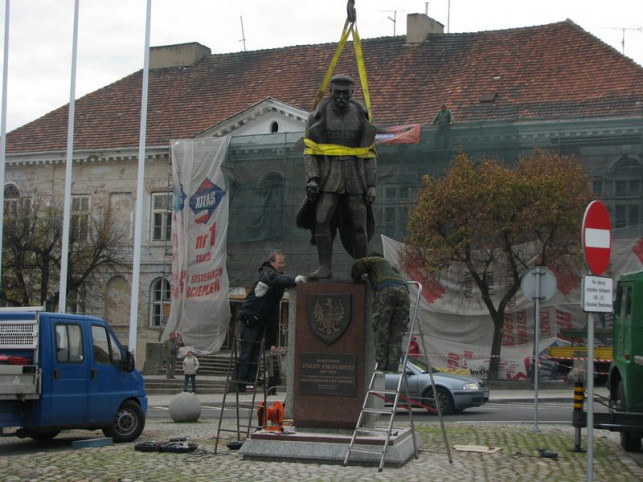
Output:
(258, 309)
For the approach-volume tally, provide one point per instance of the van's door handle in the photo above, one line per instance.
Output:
(93, 373)
(56, 373)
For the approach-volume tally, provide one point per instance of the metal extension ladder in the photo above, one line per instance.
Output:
(244, 410)
(376, 393)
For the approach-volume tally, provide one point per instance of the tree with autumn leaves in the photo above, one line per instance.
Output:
(489, 221)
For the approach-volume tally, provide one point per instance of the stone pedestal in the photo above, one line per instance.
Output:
(329, 366)
(329, 447)
(331, 354)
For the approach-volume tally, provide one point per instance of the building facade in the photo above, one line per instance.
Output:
(510, 91)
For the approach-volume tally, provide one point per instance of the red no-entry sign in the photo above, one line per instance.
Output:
(597, 237)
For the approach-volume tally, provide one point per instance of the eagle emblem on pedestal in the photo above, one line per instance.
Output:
(329, 315)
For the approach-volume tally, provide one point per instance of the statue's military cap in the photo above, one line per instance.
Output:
(341, 82)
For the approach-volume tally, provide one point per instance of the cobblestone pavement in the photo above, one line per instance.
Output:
(517, 460)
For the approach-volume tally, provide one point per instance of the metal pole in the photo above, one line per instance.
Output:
(64, 261)
(136, 262)
(3, 122)
(538, 274)
(243, 34)
(590, 397)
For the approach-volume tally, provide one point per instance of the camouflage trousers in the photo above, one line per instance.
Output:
(391, 309)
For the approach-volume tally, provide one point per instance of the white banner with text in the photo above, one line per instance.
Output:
(199, 309)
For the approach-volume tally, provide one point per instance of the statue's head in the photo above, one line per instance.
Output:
(341, 89)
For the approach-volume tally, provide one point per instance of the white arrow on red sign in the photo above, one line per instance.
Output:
(597, 237)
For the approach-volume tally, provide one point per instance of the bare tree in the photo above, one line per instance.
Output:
(32, 254)
(20, 271)
(108, 248)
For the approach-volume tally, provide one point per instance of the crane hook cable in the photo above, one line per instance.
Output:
(350, 27)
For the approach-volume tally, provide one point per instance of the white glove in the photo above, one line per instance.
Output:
(300, 279)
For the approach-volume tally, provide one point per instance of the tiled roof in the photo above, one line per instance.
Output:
(555, 71)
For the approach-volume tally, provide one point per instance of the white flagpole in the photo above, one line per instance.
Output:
(136, 269)
(64, 261)
(3, 122)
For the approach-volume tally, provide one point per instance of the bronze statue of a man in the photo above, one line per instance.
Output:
(341, 174)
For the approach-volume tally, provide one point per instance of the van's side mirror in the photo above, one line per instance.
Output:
(128, 363)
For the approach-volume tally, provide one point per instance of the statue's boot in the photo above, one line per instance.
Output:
(360, 247)
(325, 252)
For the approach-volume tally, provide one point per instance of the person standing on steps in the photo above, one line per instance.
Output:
(171, 347)
(190, 368)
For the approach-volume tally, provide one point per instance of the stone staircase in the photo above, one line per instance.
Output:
(215, 365)
(212, 365)
(213, 370)
(159, 385)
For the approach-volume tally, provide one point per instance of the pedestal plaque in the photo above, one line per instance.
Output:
(329, 354)
(329, 375)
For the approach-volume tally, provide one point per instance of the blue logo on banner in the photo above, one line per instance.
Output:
(205, 200)
(179, 198)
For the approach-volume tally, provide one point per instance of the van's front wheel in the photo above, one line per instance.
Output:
(128, 423)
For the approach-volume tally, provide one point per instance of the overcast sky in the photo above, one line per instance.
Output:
(111, 34)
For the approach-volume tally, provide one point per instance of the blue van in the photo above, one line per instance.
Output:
(60, 371)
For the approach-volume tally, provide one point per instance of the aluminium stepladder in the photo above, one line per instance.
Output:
(393, 396)
(244, 410)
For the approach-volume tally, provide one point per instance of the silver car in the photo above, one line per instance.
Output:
(456, 392)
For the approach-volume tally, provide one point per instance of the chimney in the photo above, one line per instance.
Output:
(419, 26)
(181, 55)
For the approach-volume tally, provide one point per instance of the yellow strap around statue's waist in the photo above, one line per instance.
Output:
(336, 150)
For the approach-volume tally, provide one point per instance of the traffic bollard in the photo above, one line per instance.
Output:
(578, 418)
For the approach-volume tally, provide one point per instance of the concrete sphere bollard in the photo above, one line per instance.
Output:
(185, 407)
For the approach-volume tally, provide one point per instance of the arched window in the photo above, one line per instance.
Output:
(274, 127)
(159, 302)
(13, 201)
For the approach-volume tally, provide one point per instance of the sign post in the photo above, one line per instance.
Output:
(537, 283)
(597, 296)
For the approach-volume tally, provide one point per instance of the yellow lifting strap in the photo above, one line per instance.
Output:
(349, 27)
(335, 149)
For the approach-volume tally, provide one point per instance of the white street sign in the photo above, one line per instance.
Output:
(597, 294)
